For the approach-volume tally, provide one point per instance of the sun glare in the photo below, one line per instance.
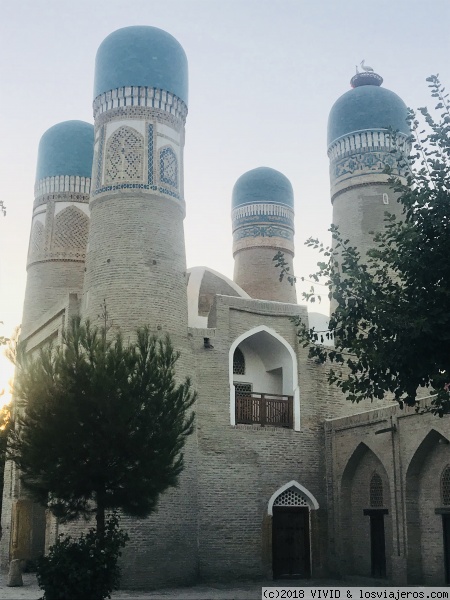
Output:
(6, 378)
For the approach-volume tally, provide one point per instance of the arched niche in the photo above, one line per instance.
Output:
(365, 540)
(426, 557)
(271, 368)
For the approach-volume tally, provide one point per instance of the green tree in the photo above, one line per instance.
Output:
(101, 424)
(391, 321)
(5, 427)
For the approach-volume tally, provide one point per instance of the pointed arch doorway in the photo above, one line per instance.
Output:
(291, 531)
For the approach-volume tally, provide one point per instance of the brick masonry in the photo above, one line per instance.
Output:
(127, 248)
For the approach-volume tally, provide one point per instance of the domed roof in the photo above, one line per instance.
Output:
(141, 56)
(263, 185)
(66, 149)
(367, 107)
(203, 285)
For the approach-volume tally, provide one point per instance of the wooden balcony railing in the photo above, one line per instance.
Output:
(265, 409)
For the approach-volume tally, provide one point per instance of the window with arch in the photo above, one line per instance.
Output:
(168, 167)
(238, 362)
(291, 497)
(124, 156)
(376, 491)
(445, 486)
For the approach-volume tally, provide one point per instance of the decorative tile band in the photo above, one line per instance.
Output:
(150, 152)
(262, 208)
(370, 140)
(263, 231)
(263, 213)
(62, 183)
(366, 163)
(140, 96)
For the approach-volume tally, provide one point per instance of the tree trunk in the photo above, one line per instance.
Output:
(100, 516)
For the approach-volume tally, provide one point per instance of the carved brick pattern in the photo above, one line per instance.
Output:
(37, 238)
(445, 486)
(376, 491)
(291, 497)
(70, 229)
(124, 156)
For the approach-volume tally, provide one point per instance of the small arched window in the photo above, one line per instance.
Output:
(238, 362)
(445, 486)
(376, 491)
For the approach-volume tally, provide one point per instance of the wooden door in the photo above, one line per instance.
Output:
(377, 545)
(446, 530)
(290, 542)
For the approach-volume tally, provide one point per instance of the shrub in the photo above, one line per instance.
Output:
(83, 568)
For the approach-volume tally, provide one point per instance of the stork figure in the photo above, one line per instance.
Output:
(365, 67)
(357, 71)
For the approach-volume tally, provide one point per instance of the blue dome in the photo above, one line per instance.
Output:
(263, 185)
(141, 56)
(66, 149)
(367, 107)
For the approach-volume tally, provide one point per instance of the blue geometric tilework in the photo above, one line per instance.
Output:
(101, 144)
(140, 186)
(168, 167)
(263, 231)
(362, 163)
(150, 154)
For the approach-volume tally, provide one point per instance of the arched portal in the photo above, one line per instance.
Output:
(427, 516)
(365, 518)
(267, 392)
(290, 508)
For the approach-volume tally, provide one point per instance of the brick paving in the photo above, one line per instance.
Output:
(213, 591)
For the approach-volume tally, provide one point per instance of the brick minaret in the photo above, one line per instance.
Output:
(60, 222)
(263, 223)
(136, 254)
(359, 148)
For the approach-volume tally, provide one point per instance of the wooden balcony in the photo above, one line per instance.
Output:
(265, 409)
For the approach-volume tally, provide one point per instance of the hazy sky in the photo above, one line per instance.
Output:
(263, 77)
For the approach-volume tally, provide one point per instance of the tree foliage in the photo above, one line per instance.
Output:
(86, 567)
(101, 424)
(5, 428)
(391, 317)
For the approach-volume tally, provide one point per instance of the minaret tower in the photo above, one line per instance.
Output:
(360, 146)
(136, 255)
(263, 224)
(60, 222)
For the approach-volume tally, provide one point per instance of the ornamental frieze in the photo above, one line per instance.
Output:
(263, 231)
(367, 162)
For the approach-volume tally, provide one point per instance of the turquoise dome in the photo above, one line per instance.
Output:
(141, 56)
(367, 107)
(263, 185)
(66, 149)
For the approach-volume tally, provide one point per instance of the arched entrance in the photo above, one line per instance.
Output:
(263, 380)
(428, 512)
(291, 531)
(365, 543)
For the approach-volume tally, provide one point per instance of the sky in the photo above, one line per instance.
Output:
(263, 76)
